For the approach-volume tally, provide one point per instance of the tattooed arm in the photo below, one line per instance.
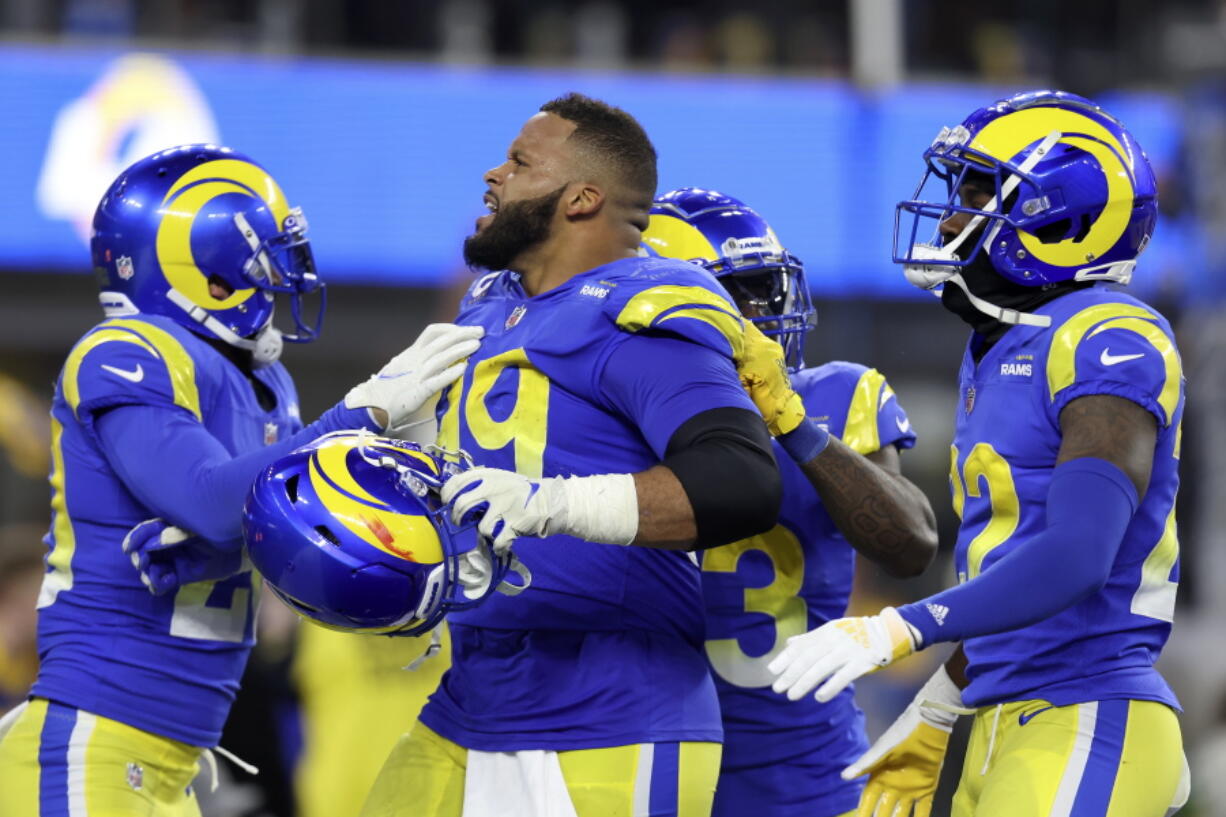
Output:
(880, 512)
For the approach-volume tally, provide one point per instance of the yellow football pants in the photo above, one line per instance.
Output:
(356, 700)
(424, 777)
(58, 761)
(1097, 759)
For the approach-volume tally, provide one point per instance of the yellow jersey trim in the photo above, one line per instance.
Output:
(59, 562)
(179, 364)
(860, 431)
(647, 309)
(1062, 355)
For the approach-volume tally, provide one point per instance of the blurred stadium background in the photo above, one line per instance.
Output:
(379, 116)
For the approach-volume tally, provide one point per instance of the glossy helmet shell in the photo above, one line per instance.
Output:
(349, 531)
(735, 244)
(178, 218)
(1083, 209)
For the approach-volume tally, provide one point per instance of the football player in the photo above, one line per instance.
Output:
(841, 484)
(610, 429)
(169, 408)
(1064, 470)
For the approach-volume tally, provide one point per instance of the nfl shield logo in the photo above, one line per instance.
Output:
(970, 399)
(123, 266)
(136, 776)
(516, 315)
(270, 433)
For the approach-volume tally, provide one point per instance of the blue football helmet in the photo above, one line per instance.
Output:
(349, 531)
(738, 247)
(1075, 198)
(183, 225)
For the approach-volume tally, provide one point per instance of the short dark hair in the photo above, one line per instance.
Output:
(612, 137)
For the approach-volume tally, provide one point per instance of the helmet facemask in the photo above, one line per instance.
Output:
(1075, 199)
(770, 291)
(283, 263)
(952, 164)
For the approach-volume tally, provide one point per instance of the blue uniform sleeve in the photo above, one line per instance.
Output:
(691, 306)
(129, 362)
(1089, 505)
(1128, 353)
(871, 416)
(893, 424)
(182, 473)
(660, 382)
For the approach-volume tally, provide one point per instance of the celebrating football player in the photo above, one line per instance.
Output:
(169, 408)
(1064, 471)
(612, 434)
(839, 458)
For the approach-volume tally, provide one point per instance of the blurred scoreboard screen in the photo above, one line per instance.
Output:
(386, 159)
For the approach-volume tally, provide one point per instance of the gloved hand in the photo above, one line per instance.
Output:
(841, 651)
(601, 508)
(764, 375)
(412, 377)
(168, 557)
(904, 764)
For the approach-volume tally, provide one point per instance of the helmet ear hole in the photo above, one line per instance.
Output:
(1054, 232)
(291, 488)
(1084, 230)
(326, 532)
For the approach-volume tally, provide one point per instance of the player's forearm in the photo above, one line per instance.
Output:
(719, 482)
(178, 470)
(882, 515)
(666, 518)
(1090, 504)
(955, 667)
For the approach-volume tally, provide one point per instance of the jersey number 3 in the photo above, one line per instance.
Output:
(780, 600)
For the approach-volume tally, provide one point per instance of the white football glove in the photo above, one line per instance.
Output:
(602, 508)
(432, 363)
(904, 764)
(841, 651)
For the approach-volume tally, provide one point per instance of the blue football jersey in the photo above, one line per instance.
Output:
(605, 647)
(792, 579)
(170, 664)
(1005, 444)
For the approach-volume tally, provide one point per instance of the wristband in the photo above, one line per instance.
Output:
(806, 441)
(342, 418)
(602, 508)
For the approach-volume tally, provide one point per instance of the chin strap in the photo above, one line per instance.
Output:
(265, 347)
(1009, 316)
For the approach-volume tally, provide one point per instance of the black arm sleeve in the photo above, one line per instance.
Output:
(724, 461)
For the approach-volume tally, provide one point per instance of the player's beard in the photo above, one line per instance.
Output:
(518, 226)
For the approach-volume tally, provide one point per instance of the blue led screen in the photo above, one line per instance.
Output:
(386, 159)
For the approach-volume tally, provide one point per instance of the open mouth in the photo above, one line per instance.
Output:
(491, 203)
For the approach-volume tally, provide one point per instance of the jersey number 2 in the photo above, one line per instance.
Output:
(195, 618)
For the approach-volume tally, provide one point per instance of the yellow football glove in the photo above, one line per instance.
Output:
(764, 374)
(904, 764)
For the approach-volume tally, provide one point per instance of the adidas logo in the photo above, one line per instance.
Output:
(939, 611)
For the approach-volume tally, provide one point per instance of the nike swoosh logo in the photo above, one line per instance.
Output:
(904, 425)
(134, 376)
(1024, 718)
(1108, 359)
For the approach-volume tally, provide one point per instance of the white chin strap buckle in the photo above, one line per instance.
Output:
(268, 346)
(927, 276)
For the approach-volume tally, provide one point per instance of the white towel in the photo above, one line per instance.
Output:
(516, 784)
